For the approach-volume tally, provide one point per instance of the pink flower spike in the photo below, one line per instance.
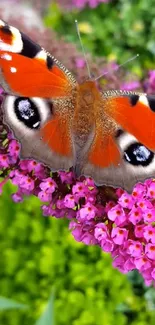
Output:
(119, 235)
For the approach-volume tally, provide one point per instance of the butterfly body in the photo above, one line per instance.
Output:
(109, 136)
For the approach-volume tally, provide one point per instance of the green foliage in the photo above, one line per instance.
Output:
(47, 318)
(10, 304)
(38, 253)
(116, 30)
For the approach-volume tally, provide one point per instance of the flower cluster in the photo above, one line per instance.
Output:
(120, 223)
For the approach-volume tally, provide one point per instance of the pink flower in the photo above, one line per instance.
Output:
(69, 201)
(44, 196)
(4, 160)
(151, 190)
(119, 235)
(149, 233)
(117, 215)
(48, 185)
(149, 215)
(88, 212)
(134, 248)
(14, 148)
(135, 215)
(142, 263)
(139, 231)
(150, 251)
(101, 232)
(126, 200)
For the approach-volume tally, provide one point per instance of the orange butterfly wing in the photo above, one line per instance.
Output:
(27, 70)
(136, 115)
(31, 77)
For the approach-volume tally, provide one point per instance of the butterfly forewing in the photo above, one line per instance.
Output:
(28, 70)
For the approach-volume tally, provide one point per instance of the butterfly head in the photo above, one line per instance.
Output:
(88, 91)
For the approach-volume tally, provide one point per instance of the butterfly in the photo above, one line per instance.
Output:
(109, 136)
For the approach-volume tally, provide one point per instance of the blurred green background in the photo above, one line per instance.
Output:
(39, 254)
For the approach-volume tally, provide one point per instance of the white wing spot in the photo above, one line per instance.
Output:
(6, 56)
(13, 69)
(41, 55)
(143, 100)
(2, 23)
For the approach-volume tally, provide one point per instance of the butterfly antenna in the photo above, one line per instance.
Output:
(116, 68)
(82, 47)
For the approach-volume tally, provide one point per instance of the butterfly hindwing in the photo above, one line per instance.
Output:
(122, 153)
(44, 134)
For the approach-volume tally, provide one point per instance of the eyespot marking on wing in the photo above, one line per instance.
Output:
(138, 155)
(10, 39)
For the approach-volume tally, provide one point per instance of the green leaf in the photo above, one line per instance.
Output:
(47, 318)
(6, 303)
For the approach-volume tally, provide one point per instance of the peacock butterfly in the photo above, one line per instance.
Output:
(109, 136)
